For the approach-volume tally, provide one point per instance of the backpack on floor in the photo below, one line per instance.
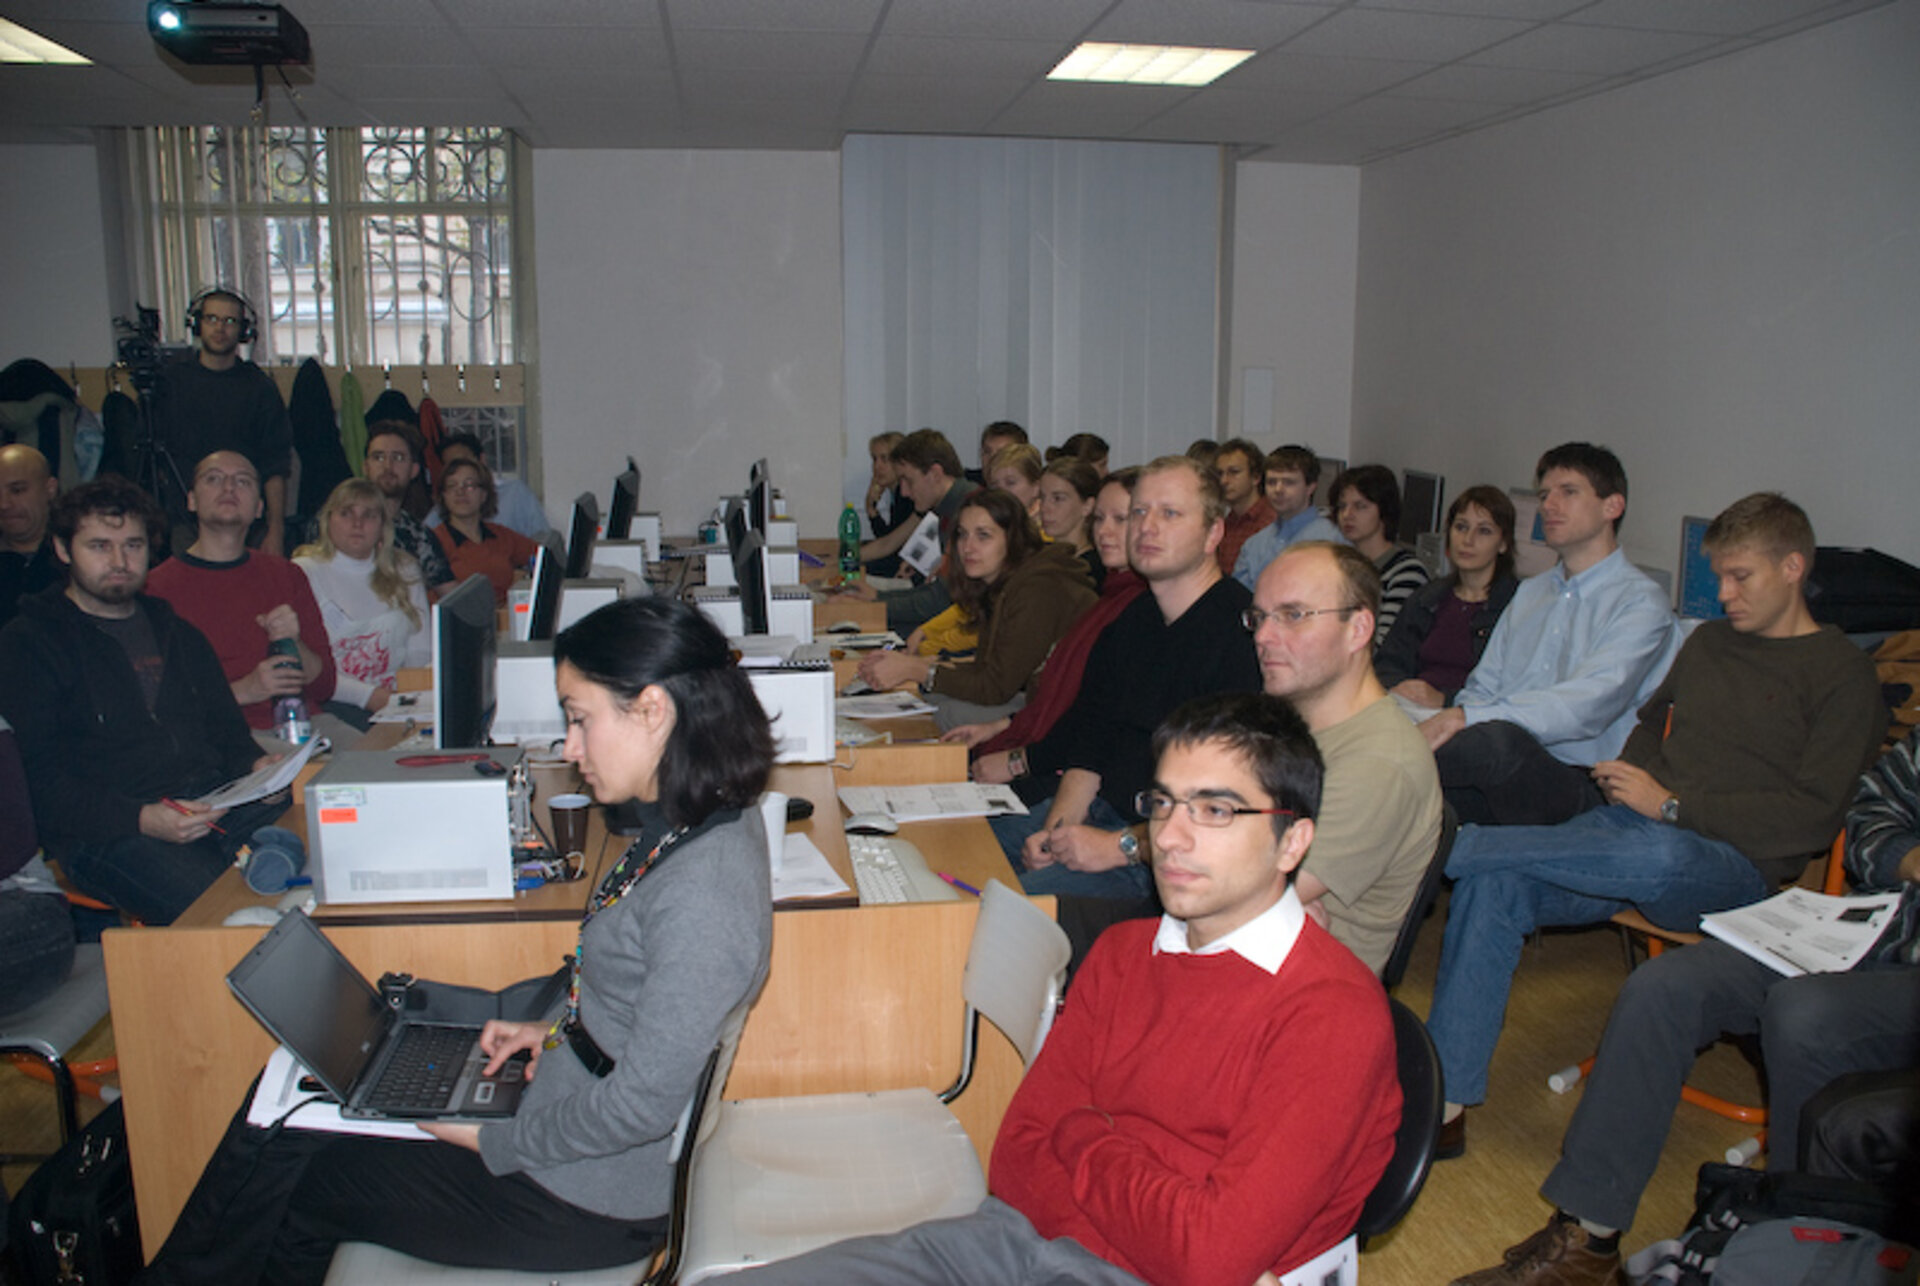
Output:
(1752, 1228)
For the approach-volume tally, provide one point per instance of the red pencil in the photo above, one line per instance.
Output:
(184, 811)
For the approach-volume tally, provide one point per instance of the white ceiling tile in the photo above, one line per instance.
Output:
(1594, 51)
(1234, 24)
(1468, 83)
(1711, 17)
(1371, 33)
(1348, 76)
(1010, 19)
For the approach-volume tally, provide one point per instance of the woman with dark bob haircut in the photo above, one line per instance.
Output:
(674, 938)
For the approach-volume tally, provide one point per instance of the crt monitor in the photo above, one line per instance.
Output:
(626, 499)
(750, 573)
(760, 505)
(734, 524)
(1422, 500)
(581, 533)
(463, 652)
(544, 602)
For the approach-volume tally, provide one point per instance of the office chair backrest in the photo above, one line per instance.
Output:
(1016, 970)
(1423, 1098)
(1015, 964)
(697, 1122)
(1423, 896)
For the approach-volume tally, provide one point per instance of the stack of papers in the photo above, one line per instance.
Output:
(940, 802)
(1800, 932)
(261, 782)
(881, 705)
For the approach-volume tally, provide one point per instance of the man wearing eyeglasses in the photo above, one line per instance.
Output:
(1180, 640)
(1219, 1096)
(219, 401)
(245, 600)
(1312, 621)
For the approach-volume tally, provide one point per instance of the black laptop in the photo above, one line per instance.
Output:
(378, 1064)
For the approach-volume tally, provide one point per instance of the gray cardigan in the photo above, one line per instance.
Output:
(663, 967)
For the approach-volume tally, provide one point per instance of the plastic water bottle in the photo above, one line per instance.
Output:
(850, 543)
(290, 721)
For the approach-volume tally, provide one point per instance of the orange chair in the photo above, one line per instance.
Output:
(1631, 922)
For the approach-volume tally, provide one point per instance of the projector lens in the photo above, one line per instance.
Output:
(165, 17)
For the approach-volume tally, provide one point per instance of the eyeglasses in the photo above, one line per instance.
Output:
(462, 488)
(1157, 806)
(1291, 618)
(389, 457)
(221, 481)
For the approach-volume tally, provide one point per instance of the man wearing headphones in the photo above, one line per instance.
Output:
(222, 402)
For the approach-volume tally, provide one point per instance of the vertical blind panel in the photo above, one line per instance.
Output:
(1071, 286)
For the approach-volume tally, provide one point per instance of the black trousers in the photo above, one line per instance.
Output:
(1497, 774)
(272, 1207)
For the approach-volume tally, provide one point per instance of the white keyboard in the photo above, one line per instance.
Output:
(889, 869)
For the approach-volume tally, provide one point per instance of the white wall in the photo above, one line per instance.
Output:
(1295, 245)
(689, 307)
(1717, 273)
(52, 261)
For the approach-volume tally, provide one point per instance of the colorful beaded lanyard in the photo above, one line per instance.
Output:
(619, 882)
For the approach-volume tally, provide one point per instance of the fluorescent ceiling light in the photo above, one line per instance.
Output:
(18, 45)
(1148, 64)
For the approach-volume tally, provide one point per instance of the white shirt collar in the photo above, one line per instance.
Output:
(1266, 940)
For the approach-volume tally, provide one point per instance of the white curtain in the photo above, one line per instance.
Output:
(1069, 286)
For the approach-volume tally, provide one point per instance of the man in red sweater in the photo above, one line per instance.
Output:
(1218, 1096)
(245, 600)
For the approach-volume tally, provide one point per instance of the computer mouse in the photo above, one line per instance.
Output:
(871, 824)
(842, 627)
(254, 917)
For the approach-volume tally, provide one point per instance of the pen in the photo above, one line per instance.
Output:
(184, 811)
(958, 884)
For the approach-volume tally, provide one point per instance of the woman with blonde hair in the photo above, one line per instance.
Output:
(371, 598)
(1016, 470)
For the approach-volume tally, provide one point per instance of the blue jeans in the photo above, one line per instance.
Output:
(1515, 879)
(1132, 881)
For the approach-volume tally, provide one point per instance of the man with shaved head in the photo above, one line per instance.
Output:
(245, 600)
(27, 492)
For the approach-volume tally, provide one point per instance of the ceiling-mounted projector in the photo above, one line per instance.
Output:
(208, 33)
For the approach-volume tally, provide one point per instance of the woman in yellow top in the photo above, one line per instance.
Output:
(1018, 592)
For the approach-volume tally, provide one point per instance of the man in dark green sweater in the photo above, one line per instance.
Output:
(1739, 770)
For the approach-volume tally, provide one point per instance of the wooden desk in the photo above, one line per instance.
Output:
(858, 998)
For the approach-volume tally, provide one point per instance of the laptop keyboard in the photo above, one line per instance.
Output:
(422, 1072)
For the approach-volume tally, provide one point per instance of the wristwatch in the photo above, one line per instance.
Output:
(1130, 847)
(1670, 810)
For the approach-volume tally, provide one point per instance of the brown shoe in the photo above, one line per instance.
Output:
(1557, 1255)
(1453, 1139)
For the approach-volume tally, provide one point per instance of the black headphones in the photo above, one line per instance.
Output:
(248, 328)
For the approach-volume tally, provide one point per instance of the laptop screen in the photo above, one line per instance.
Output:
(304, 992)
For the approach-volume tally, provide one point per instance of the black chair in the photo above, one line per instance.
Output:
(1419, 1133)
(1396, 966)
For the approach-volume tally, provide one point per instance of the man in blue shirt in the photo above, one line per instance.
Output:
(1574, 656)
(1292, 472)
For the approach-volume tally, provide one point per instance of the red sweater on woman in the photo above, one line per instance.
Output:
(1197, 1120)
(1065, 666)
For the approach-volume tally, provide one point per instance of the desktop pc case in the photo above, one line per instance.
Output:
(381, 831)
